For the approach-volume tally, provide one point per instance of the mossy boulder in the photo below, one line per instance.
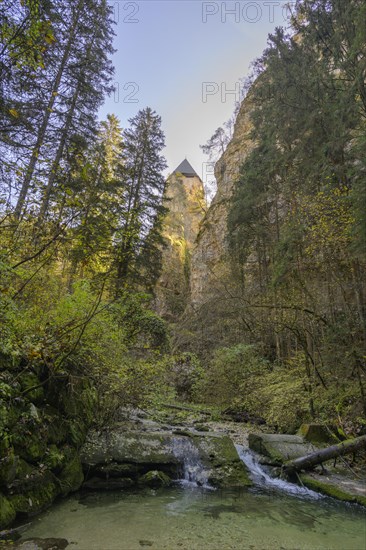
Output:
(131, 447)
(9, 416)
(213, 457)
(8, 469)
(115, 470)
(77, 432)
(7, 512)
(33, 501)
(279, 448)
(54, 458)
(79, 403)
(57, 425)
(30, 478)
(71, 477)
(24, 470)
(16, 472)
(155, 478)
(341, 489)
(319, 434)
(222, 462)
(30, 446)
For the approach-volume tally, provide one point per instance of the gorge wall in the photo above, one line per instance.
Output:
(210, 270)
(185, 203)
(211, 317)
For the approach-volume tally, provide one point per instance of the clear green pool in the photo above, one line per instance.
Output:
(188, 518)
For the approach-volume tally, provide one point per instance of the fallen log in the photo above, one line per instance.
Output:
(318, 457)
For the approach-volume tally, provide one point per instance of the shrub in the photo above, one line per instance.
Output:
(233, 375)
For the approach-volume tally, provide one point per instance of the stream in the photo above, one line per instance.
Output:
(272, 515)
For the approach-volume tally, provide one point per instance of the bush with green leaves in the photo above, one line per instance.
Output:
(186, 376)
(234, 374)
(80, 333)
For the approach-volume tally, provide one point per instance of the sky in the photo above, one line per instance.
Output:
(186, 59)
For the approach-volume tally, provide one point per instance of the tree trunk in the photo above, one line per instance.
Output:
(46, 118)
(69, 119)
(47, 193)
(309, 461)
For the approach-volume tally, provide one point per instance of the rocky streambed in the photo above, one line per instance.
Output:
(138, 453)
(142, 452)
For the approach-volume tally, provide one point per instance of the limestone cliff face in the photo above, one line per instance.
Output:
(185, 202)
(210, 270)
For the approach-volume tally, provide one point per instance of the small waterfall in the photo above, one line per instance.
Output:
(193, 470)
(262, 478)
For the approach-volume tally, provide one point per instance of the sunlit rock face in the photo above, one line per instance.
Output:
(210, 269)
(185, 201)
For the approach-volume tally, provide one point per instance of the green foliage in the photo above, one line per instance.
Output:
(185, 375)
(296, 222)
(283, 400)
(53, 457)
(26, 33)
(283, 394)
(143, 328)
(234, 374)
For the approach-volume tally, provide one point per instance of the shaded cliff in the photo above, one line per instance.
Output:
(210, 270)
(185, 202)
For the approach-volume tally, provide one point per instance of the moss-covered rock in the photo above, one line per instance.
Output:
(115, 470)
(7, 512)
(57, 428)
(171, 453)
(279, 448)
(9, 415)
(77, 432)
(8, 469)
(24, 470)
(128, 447)
(71, 477)
(154, 478)
(78, 403)
(54, 458)
(319, 434)
(30, 478)
(33, 501)
(334, 489)
(30, 446)
(41, 427)
(222, 462)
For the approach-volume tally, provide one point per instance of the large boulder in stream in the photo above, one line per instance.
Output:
(279, 448)
(120, 454)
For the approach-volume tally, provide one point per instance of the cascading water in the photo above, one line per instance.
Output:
(188, 517)
(193, 470)
(263, 479)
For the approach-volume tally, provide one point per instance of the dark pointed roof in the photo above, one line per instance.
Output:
(186, 169)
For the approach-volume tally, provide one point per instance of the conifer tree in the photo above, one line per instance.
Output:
(143, 188)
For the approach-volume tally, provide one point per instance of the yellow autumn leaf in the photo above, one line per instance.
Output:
(49, 38)
(14, 113)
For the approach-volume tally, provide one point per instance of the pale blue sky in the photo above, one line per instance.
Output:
(168, 49)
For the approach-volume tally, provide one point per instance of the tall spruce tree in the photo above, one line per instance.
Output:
(143, 188)
(295, 221)
(69, 88)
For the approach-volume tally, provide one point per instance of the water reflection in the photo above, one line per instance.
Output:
(197, 519)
